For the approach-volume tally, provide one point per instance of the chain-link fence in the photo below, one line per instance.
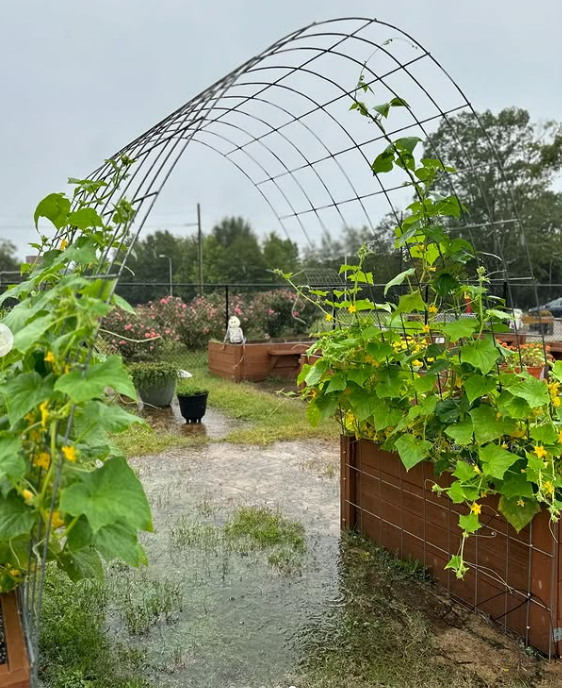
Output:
(176, 322)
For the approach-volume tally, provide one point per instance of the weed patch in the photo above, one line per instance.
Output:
(76, 651)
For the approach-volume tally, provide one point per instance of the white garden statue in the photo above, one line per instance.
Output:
(234, 333)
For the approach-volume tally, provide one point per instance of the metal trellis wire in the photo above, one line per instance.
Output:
(282, 119)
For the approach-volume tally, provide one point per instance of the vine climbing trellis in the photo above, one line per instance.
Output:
(282, 120)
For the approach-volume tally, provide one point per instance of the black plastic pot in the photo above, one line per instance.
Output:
(193, 406)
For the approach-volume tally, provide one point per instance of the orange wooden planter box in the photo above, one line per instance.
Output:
(516, 579)
(15, 673)
(256, 361)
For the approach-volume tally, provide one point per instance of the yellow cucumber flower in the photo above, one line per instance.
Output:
(43, 460)
(69, 453)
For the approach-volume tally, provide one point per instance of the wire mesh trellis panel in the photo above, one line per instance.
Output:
(282, 119)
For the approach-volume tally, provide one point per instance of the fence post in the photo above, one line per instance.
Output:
(226, 306)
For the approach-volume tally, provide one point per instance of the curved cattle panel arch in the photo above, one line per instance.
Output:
(282, 119)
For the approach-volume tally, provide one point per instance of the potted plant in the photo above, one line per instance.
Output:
(68, 495)
(192, 400)
(155, 382)
(534, 357)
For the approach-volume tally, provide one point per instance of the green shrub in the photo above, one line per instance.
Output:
(147, 375)
(190, 388)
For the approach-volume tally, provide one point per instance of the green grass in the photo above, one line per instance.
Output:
(141, 440)
(76, 650)
(267, 417)
(266, 528)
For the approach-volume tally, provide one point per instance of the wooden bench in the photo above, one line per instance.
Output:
(277, 354)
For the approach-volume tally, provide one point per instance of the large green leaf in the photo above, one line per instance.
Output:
(461, 432)
(424, 383)
(399, 279)
(481, 353)
(487, 426)
(25, 392)
(337, 383)
(84, 218)
(80, 536)
(477, 386)
(408, 303)
(390, 383)
(514, 407)
(120, 302)
(497, 460)
(12, 463)
(384, 415)
(81, 386)
(119, 541)
(448, 206)
(469, 523)
(85, 563)
(384, 161)
(516, 514)
(463, 327)
(107, 495)
(15, 517)
(315, 372)
(517, 485)
(464, 471)
(407, 143)
(109, 417)
(412, 450)
(544, 432)
(447, 411)
(361, 403)
(55, 207)
(459, 493)
(534, 391)
(27, 337)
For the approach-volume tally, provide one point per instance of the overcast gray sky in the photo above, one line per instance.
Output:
(80, 79)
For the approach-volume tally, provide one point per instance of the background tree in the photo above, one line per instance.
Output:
(531, 156)
(232, 253)
(282, 254)
(8, 257)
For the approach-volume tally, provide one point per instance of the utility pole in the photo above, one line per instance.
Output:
(200, 247)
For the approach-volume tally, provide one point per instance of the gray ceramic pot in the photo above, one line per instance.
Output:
(159, 395)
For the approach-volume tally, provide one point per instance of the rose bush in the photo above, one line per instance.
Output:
(135, 336)
(262, 315)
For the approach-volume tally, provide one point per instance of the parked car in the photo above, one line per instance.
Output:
(554, 306)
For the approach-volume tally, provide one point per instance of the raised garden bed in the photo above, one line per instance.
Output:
(14, 666)
(516, 579)
(256, 361)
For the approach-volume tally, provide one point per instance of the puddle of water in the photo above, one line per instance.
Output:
(214, 613)
(214, 425)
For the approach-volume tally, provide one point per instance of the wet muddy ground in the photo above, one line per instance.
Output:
(237, 616)
(212, 611)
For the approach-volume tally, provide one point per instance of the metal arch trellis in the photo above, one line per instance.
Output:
(280, 119)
